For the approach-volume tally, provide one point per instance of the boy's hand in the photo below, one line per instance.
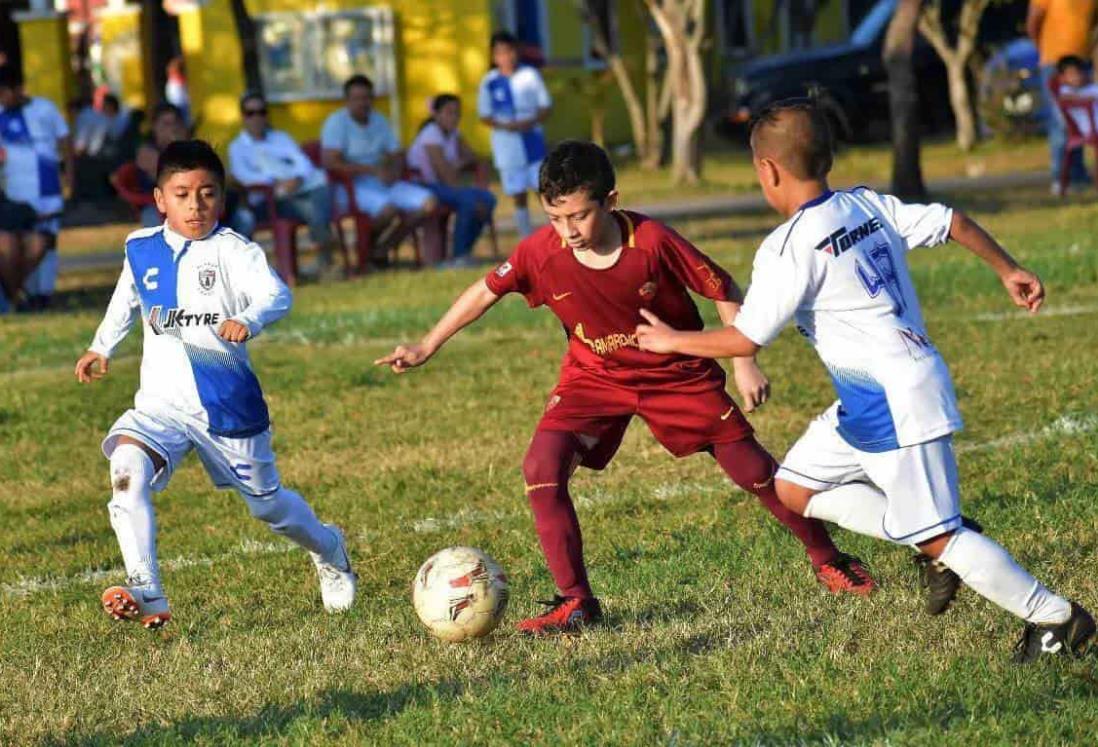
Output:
(751, 382)
(233, 331)
(655, 337)
(1025, 289)
(405, 357)
(84, 372)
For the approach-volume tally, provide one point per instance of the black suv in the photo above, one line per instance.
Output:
(850, 78)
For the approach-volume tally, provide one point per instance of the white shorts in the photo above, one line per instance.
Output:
(373, 196)
(919, 482)
(520, 180)
(244, 464)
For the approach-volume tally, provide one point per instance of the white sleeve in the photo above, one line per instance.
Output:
(920, 225)
(545, 101)
(121, 312)
(241, 168)
(266, 298)
(780, 282)
(303, 165)
(484, 100)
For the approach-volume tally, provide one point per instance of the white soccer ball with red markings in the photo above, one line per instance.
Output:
(460, 593)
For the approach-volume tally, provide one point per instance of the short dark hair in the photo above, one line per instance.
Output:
(10, 76)
(442, 100)
(189, 155)
(111, 99)
(503, 37)
(252, 95)
(166, 107)
(1069, 61)
(576, 165)
(357, 80)
(795, 133)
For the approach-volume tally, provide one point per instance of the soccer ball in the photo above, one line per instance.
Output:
(460, 593)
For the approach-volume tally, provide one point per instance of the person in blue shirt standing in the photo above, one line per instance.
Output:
(514, 101)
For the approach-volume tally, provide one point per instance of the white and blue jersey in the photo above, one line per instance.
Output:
(183, 291)
(509, 99)
(29, 135)
(838, 267)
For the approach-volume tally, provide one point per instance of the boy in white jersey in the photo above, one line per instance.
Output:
(880, 460)
(514, 101)
(201, 291)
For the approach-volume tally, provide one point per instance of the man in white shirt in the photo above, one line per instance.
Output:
(260, 155)
(880, 460)
(358, 142)
(514, 101)
(35, 140)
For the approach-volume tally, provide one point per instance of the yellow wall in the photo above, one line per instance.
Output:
(46, 70)
(120, 32)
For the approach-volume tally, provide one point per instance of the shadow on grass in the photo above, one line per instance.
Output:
(275, 720)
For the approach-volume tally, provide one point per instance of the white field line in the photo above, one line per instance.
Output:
(25, 586)
(1020, 316)
(1065, 425)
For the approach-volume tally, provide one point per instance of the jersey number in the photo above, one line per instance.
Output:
(877, 274)
(149, 280)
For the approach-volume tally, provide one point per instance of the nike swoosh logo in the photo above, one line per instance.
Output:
(561, 296)
(728, 414)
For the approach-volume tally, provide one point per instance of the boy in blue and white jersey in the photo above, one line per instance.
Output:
(514, 101)
(35, 139)
(201, 291)
(880, 460)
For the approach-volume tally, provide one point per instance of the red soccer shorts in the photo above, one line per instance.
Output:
(685, 406)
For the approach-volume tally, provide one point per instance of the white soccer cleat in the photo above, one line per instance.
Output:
(337, 580)
(144, 603)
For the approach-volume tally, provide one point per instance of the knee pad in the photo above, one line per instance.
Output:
(131, 468)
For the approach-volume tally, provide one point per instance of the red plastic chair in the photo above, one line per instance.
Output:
(1070, 106)
(362, 221)
(126, 180)
(283, 230)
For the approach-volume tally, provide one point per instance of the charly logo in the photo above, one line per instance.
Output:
(207, 278)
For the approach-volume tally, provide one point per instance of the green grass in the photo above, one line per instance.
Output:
(717, 632)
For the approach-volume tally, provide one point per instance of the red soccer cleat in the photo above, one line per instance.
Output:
(566, 615)
(846, 574)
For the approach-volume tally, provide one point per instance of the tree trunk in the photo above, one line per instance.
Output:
(653, 111)
(903, 98)
(682, 26)
(249, 45)
(961, 105)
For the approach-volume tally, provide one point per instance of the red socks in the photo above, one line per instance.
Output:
(752, 468)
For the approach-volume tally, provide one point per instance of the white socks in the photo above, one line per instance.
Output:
(857, 506)
(287, 513)
(522, 222)
(131, 513)
(989, 570)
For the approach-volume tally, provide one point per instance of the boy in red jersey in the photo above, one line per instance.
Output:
(596, 268)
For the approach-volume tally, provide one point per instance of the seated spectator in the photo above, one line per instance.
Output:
(1076, 83)
(90, 128)
(168, 126)
(359, 142)
(261, 155)
(439, 154)
(121, 130)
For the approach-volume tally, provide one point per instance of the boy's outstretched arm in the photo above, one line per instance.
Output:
(470, 306)
(719, 343)
(1024, 287)
(268, 299)
(120, 315)
(752, 383)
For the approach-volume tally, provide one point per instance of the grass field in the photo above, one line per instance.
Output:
(717, 631)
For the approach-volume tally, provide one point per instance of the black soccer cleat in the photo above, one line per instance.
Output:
(1070, 638)
(941, 583)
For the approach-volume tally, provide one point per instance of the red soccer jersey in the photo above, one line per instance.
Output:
(600, 309)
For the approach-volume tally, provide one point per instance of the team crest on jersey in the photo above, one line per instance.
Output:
(207, 278)
(648, 291)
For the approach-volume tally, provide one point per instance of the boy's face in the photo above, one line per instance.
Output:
(1074, 76)
(505, 57)
(9, 97)
(579, 220)
(191, 201)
